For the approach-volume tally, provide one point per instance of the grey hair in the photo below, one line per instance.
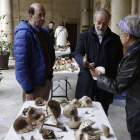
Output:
(132, 21)
(104, 11)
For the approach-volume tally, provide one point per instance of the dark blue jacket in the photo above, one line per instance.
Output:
(88, 43)
(30, 68)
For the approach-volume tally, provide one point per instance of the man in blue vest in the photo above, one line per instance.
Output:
(34, 55)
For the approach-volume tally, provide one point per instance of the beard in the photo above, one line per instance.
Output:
(99, 32)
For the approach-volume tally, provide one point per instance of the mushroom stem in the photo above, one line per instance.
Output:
(94, 137)
(97, 132)
(63, 128)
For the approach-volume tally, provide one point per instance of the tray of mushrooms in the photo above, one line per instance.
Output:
(52, 120)
(66, 64)
(61, 48)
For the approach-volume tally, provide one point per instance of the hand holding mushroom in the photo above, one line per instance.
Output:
(86, 63)
(97, 71)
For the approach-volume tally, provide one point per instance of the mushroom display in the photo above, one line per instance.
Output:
(34, 114)
(85, 101)
(39, 102)
(75, 102)
(86, 124)
(72, 123)
(70, 111)
(105, 131)
(101, 69)
(53, 110)
(22, 125)
(22, 138)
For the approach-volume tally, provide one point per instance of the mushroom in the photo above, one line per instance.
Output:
(34, 114)
(48, 134)
(75, 102)
(70, 111)
(72, 124)
(86, 124)
(39, 102)
(40, 122)
(32, 138)
(22, 125)
(86, 101)
(105, 131)
(22, 138)
(101, 69)
(78, 135)
(53, 109)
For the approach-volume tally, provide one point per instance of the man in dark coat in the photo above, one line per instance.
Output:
(100, 47)
(51, 32)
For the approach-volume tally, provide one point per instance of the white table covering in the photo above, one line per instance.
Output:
(63, 75)
(96, 110)
(59, 53)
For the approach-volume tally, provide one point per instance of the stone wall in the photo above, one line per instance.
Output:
(56, 11)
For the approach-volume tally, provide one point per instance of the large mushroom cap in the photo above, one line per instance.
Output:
(105, 130)
(78, 135)
(86, 123)
(55, 106)
(70, 111)
(86, 101)
(72, 124)
(39, 123)
(34, 114)
(39, 102)
(76, 103)
(22, 125)
(101, 69)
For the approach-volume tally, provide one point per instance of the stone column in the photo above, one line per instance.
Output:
(119, 9)
(85, 15)
(134, 8)
(6, 8)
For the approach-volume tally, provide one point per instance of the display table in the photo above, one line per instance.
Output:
(95, 113)
(64, 75)
(59, 53)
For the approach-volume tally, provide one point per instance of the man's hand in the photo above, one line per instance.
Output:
(87, 64)
(29, 96)
(95, 73)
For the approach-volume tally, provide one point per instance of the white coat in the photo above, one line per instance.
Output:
(61, 37)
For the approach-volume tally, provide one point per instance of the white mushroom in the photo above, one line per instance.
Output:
(105, 130)
(86, 101)
(86, 124)
(101, 69)
(78, 135)
(70, 111)
(72, 124)
(75, 102)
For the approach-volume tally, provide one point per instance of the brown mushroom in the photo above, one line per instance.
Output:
(48, 134)
(86, 124)
(22, 138)
(72, 124)
(34, 114)
(32, 138)
(105, 130)
(70, 111)
(76, 103)
(86, 101)
(53, 109)
(39, 102)
(22, 125)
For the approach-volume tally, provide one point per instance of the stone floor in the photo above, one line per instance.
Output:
(11, 102)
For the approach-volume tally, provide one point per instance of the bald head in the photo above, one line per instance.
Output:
(37, 14)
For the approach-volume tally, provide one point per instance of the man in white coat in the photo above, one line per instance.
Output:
(61, 35)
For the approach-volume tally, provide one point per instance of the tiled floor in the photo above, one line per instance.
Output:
(11, 102)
